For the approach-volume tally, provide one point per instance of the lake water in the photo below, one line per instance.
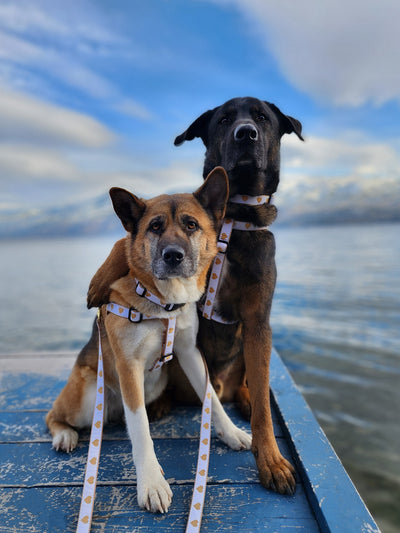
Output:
(336, 323)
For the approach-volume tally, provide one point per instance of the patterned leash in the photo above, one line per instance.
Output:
(228, 226)
(203, 457)
(89, 487)
(92, 464)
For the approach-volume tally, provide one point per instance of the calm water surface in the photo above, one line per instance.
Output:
(336, 323)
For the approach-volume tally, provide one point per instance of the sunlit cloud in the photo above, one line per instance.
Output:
(25, 118)
(343, 54)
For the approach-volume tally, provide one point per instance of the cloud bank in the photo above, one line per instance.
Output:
(340, 53)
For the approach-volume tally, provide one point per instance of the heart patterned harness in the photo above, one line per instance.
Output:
(135, 316)
(228, 226)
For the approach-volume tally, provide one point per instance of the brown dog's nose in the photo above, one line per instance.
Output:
(245, 132)
(173, 255)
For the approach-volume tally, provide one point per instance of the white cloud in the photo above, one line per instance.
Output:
(42, 44)
(23, 118)
(324, 175)
(134, 109)
(32, 162)
(342, 53)
(351, 154)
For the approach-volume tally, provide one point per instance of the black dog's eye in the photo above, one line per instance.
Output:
(224, 120)
(261, 117)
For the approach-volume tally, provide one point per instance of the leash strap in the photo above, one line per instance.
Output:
(203, 457)
(212, 289)
(92, 464)
(224, 237)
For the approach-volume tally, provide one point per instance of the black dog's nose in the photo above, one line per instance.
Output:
(245, 132)
(173, 255)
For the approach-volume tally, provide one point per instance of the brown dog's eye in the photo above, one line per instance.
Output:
(155, 226)
(191, 225)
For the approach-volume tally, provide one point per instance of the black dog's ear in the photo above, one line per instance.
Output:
(287, 124)
(199, 128)
(213, 194)
(128, 207)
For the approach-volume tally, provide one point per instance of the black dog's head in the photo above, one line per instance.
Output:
(243, 136)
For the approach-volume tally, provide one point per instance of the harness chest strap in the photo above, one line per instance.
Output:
(135, 316)
(224, 237)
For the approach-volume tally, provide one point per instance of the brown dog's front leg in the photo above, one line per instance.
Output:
(113, 268)
(275, 471)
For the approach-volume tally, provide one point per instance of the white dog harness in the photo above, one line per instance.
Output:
(228, 226)
(135, 316)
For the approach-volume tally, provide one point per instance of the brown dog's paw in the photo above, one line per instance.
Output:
(97, 295)
(242, 399)
(278, 475)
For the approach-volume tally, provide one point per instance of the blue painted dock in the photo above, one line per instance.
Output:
(40, 489)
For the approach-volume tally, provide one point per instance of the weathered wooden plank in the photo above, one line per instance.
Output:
(182, 422)
(34, 464)
(335, 500)
(237, 508)
(29, 391)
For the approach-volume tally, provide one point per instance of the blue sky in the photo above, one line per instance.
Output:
(93, 93)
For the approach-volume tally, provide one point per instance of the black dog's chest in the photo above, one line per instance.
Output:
(250, 256)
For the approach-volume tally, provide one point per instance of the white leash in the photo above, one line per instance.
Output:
(92, 464)
(228, 226)
(89, 487)
(203, 457)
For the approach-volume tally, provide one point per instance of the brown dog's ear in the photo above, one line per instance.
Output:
(199, 128)
(213, 194)
(287, 124)
(128, 207)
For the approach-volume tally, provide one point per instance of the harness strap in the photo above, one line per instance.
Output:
(92, 464)
(142, 291)
(224, 237)
(135, 316)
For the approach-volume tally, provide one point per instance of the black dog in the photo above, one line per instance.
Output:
(243, 136)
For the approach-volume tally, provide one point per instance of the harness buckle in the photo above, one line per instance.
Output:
(222, 246)
(134, 316)
(167, 357)
(140, 290)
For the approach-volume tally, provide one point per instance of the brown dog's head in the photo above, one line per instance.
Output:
(243, 136)
(173, 236)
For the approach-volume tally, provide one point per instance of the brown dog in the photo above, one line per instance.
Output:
(243, 136)
(170, 244)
